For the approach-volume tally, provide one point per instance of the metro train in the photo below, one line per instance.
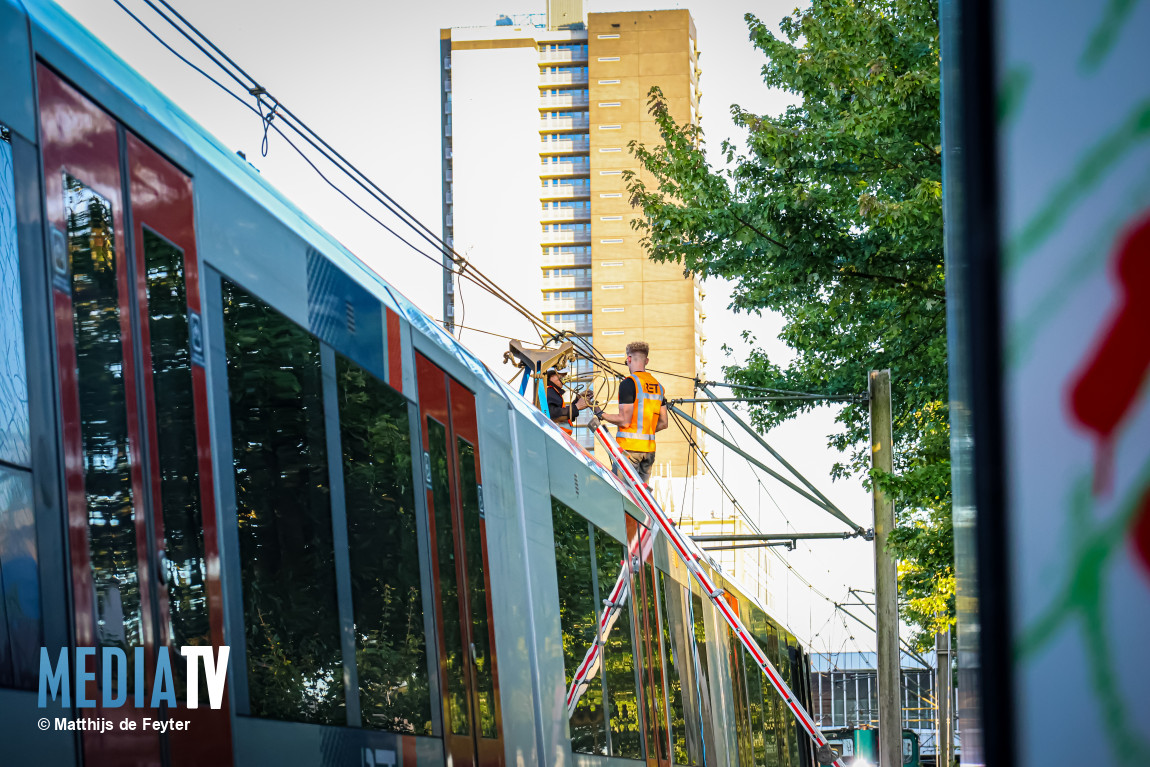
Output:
(219, 428)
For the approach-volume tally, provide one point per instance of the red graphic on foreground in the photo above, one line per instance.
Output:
(1104, 391)
(1140, 534)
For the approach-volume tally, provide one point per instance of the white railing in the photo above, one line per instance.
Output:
(566, 259)
(565, 191)
(564, 55)
(566, 283)
(565, 123)
(563, 168)
(565, 214)
(583, 326)
(549, 238)
(564, 147)
(563, 101)
(567, 305)
(564, 78)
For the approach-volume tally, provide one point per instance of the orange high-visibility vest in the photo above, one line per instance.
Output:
(639, 435)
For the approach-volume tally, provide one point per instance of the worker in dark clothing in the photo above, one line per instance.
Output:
(562, 414)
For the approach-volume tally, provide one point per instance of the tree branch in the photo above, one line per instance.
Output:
(898, 281)
(756, 230)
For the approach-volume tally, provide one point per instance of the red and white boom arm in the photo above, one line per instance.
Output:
(691, 556)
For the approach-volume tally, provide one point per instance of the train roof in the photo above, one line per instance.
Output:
(65, 30)
(50, 20)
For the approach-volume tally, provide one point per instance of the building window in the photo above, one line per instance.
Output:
(610, 127)
(611, 263)
(606, 309)
(610, 173)
(606, 104)
(610, 218)
(611, 149)
(608, 82)
(608, 58)
(612, 287)
(608, 37)
(612, 332)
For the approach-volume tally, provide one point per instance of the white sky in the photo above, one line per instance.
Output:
(365, 76)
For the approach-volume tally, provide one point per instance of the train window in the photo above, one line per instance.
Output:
(739, 671)
(20, 625)
(766, 636)
(679, 668)
(456, 704)
(94, 265)
(703, 682)
(295, 665)
(655, 618)
(755, 708)
(176, 445)
(618, 655)
(391, 648)
(473, 555)
(579, 623)
(15, 443)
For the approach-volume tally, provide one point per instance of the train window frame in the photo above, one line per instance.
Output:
(21, 611)
(575, 552)
(335, 703)
(15, 428)
(403, 495)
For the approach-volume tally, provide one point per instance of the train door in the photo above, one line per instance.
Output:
(468, 675)
(141, 522)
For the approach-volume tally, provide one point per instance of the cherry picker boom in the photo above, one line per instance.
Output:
(690, 554)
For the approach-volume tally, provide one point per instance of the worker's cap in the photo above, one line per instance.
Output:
(556, 371)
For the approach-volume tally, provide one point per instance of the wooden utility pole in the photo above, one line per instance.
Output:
(885, 578)
(944, 693)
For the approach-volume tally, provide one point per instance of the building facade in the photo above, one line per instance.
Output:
(537, 118)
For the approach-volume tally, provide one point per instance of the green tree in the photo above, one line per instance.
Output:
(832, 217)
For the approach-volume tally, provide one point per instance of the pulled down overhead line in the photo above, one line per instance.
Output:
(273, 113)
(821, 502)
(763, 443)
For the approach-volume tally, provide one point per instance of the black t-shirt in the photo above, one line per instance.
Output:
(627, 392)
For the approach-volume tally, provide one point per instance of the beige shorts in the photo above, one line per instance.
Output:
(643, 463)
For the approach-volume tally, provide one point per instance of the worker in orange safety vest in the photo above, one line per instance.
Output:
(642, 411)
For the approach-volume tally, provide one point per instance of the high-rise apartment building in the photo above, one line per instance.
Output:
(538, 115)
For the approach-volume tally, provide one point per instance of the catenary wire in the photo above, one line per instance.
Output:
(358, 177)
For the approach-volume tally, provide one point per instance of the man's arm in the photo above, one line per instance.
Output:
(664, 417)
(622, 418)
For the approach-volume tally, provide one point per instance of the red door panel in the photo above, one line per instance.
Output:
(111, 591)
(175, 386)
